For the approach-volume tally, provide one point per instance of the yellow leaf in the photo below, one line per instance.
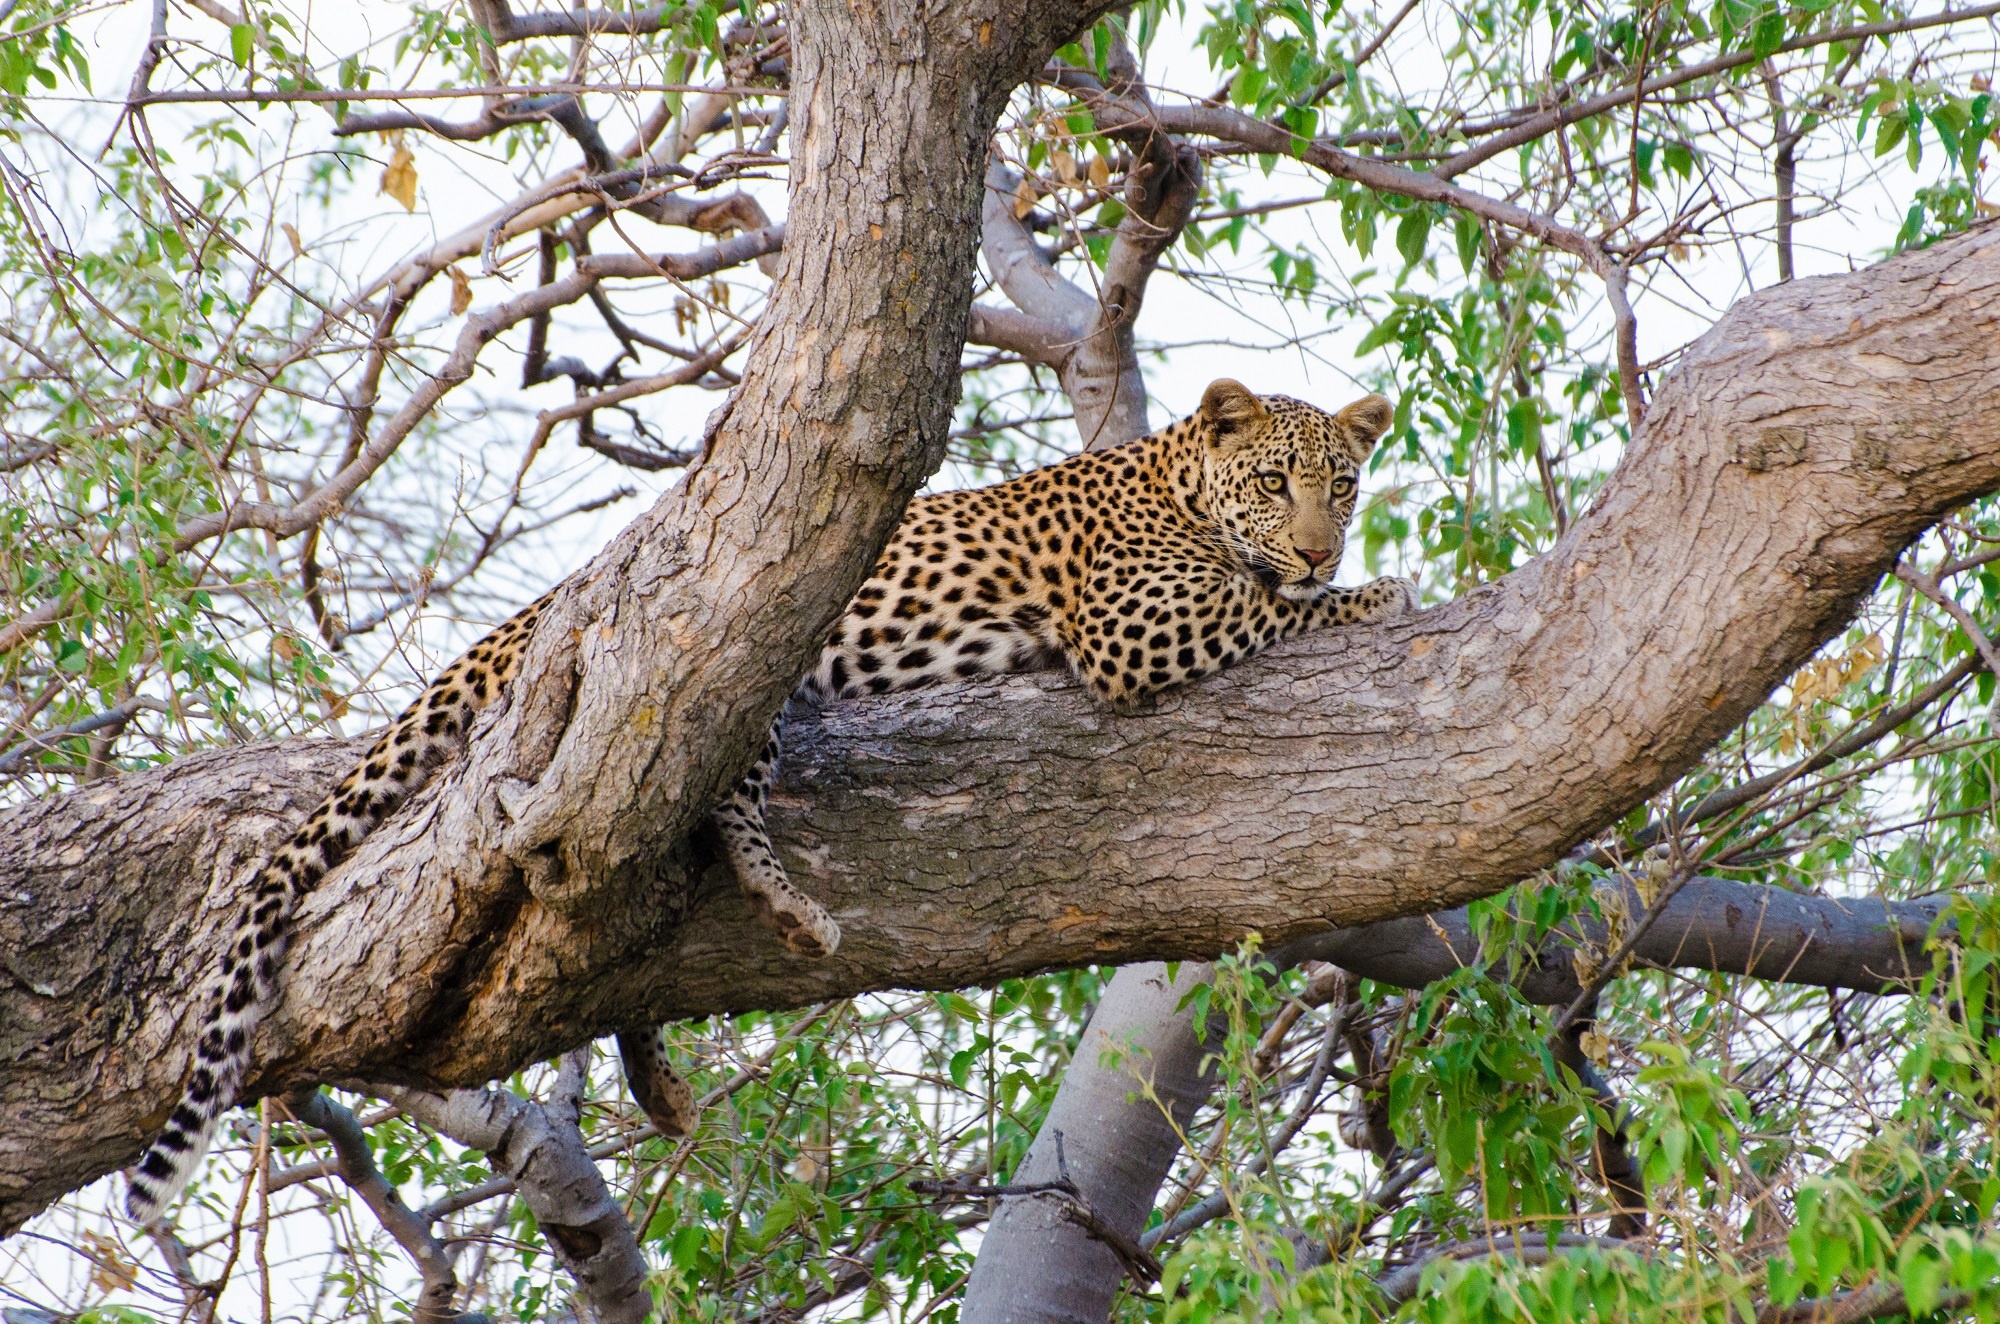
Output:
(292, 233)
(399, 181)
(461, 290)
(1986, 208)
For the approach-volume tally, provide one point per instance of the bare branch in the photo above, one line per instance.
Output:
(1019, 267)
(562, 109)
(703, 262)
(355, 1166)
(1020, 333)
(114, 718)
(539, 1148)
(479, 329)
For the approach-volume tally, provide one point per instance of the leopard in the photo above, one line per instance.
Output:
(1139, 568)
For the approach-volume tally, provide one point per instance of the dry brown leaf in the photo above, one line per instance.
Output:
(284, 647)
(1024, 198)
(110, 1271)
(1065, 165)
(292, 233)
(461, 290)
(336, 704)
(1100, 172)
(399, 181)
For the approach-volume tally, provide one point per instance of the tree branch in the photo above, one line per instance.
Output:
(355, 1166)
(539, 1148)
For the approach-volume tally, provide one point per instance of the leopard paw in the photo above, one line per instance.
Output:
(662, 1093)
(1388, 597)
(800, 922)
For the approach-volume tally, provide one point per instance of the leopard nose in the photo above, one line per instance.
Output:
(1314, 556)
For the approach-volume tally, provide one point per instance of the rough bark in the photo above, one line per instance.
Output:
(559, 839)
(969, 833)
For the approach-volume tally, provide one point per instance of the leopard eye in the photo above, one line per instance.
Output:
(1274, 483)
(1342, 485)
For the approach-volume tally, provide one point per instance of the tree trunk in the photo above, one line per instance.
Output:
(559, 839)
(965, 834)
(1036, 1262)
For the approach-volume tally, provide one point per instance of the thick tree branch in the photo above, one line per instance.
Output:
(1034, 339)
(1861, 943)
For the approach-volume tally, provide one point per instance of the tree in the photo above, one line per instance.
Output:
(1570, 763)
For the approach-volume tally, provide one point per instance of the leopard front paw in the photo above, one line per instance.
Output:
(1387, 598)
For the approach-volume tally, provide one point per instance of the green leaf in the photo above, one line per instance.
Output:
(1411, 232)
(1466, 226)
(242, 40)
(1768, 34)
(1889, 133)
(1923, 1276)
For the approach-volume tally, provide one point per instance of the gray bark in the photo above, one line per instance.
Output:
(1864, 944)
(965, 834)
(1111, 1136)
(539, 1147)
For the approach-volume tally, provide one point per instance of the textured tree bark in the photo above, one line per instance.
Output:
(965, 834)
(559, 839)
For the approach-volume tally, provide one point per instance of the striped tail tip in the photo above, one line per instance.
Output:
(169, 1163)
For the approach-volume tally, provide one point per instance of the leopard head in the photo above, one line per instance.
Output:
(1280, 478)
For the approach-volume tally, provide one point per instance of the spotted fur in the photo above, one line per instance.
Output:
(1139, 568)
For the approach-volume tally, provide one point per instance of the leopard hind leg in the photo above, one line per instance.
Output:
(800, 922)
(660, 1091)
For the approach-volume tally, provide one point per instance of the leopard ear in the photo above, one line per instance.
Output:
(1365, 421)
(1230, 409)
